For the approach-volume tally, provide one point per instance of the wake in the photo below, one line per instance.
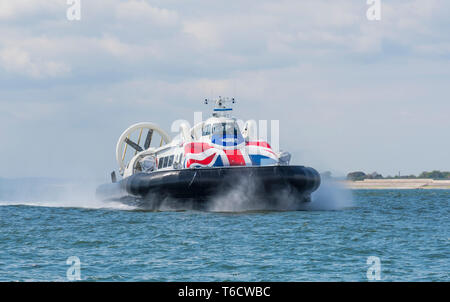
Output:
(54, 193)
(330, 196)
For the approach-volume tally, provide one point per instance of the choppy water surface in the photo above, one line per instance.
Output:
(407, 229)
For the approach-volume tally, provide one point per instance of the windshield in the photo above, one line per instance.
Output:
(225, 128)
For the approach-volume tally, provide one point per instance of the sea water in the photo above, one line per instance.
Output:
(335, 238)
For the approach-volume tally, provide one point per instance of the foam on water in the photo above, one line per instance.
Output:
(330, 196)
(72, 194)
(88, 204)
(81, 194)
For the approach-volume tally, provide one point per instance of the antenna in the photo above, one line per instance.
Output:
(221, 108)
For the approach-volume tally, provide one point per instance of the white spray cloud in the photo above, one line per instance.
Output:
(330, 196)
(54, 193)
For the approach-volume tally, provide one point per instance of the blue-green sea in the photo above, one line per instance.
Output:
(408, 230)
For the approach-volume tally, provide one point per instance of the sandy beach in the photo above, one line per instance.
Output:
(398, 184)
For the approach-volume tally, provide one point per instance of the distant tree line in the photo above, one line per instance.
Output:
(435, 174)
(359, 175)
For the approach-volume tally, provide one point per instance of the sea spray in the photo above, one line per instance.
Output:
(331, 195)
(54, 193)
(237, 199)
(242, 198)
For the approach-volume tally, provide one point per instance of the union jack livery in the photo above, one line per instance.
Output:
(208, 155)
(204, 160)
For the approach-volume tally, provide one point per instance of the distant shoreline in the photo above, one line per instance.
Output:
(420, 183)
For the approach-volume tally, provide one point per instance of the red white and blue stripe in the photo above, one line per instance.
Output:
(200, 154)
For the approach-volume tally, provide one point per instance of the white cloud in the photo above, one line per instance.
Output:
(337, 13)
(320, 66)
(204, 32)
(20, 112)
(13, 9)
(19, 61)
(140, 10)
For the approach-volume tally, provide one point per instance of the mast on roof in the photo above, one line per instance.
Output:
(222, 107)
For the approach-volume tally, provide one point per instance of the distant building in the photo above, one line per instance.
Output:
(354, 176)
(374, 175)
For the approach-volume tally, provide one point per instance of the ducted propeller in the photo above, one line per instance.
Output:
(126, 141)
(133, 145)
(148, 140)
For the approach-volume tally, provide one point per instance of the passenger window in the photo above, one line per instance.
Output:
(160, 162)
(206, 130)
(170, 160)
(165, 161)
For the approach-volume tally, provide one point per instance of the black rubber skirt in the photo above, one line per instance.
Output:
(199, 186)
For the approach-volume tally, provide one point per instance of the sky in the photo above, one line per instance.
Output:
(350, 94)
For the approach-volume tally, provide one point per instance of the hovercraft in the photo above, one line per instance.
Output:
(201, 163)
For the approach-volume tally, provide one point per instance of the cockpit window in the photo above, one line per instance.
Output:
(225, 128)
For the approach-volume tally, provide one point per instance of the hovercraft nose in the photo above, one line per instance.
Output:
(227, 140)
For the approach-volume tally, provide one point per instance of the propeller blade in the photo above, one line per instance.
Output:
(148, 140)
(133, 145)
